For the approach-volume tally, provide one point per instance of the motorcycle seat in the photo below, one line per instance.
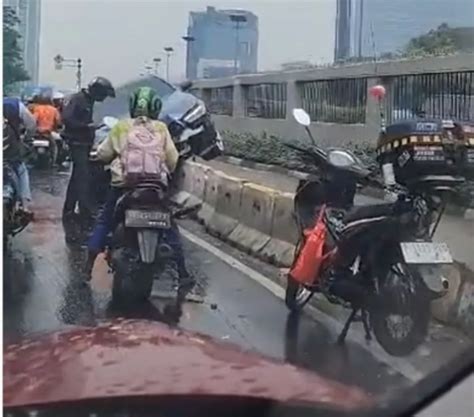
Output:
(368, 211)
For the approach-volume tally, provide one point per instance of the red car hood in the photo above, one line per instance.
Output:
(127, 358)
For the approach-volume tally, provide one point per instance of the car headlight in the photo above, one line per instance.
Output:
(196, 113)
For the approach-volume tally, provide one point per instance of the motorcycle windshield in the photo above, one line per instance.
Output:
(177, 105)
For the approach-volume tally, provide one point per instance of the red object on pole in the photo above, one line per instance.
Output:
(378, 92)
(306, 268)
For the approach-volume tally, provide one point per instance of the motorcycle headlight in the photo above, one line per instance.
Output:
(195, 113)
(341, 159)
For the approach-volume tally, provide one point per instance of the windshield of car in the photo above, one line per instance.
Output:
(292, 212)
(178, 104)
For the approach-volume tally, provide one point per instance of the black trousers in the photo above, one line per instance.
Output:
(78, 188)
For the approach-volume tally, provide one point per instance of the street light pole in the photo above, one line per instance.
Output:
(59, 62)
(168, 51)
(148, 69)
(157, 65)
(79, 73)
(237, 19)
(189, 55)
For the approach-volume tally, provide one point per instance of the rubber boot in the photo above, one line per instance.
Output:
(186, 281)
(91, 257)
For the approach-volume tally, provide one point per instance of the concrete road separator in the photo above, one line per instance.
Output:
(255, 218)
(208, 208)
(184, 197)
(284, 232)
(225, 217)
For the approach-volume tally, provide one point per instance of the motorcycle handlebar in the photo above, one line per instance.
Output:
(317, 154)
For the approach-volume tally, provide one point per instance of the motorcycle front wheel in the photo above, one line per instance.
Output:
(400, 311)
(296, 295)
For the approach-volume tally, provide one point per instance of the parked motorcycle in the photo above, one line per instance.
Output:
(377, 260)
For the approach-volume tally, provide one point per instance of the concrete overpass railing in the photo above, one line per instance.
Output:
(337, 97)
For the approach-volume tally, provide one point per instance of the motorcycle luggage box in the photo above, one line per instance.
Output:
(422, 147)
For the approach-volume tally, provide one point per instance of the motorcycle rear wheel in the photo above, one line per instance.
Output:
(43, 161)
(132, 282)
(400, 314)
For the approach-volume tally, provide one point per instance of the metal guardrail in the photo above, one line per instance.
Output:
(221, 101)
(445, 95)
(441, 86)
(335, 101)
(266, 100)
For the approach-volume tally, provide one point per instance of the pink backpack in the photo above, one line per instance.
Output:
(143, 158)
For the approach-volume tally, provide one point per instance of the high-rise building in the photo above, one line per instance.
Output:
(343, 30)
(380, 26)
(29, 27)
(221, 43)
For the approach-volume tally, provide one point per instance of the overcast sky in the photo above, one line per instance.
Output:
(116, 37)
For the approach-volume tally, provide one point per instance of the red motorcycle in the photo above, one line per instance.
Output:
(378, 260)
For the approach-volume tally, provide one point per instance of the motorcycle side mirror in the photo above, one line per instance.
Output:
(302, 117)
(109, 121)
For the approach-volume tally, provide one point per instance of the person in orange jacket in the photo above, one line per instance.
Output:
(48, 120)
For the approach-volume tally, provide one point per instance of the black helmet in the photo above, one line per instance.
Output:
(44, 98)
(100, 88)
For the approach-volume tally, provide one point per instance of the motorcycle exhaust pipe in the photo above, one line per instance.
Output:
(165, 251)
(445, 283)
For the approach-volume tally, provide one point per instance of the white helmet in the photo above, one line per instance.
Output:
(58, 95)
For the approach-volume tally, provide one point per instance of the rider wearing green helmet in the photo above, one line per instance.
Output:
(144, 102)
(144, 108)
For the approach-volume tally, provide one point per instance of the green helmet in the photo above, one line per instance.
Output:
(145, 102)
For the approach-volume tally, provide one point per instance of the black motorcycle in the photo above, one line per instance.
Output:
(379, 259)
(138, 249)
(15, 219)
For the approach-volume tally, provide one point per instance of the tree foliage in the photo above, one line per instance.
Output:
(440, 41)
(13, 68)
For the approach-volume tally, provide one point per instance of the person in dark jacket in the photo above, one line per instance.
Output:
(79, 132)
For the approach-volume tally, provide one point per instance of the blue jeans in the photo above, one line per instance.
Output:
(22, 181)
(105, 224)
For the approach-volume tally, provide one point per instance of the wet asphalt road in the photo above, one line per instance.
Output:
(44, 293)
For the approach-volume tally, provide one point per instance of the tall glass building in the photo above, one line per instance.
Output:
(29, 27)
(366, 27)
(221, 43)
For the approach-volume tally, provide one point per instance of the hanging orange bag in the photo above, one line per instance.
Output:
(306, 267)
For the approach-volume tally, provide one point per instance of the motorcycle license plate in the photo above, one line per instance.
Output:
(426, 253)
(151, 219)
(41, 150)
(40, 143)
